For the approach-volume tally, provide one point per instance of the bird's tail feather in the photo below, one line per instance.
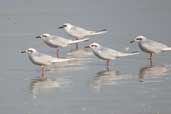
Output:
(56, 60)
(167, 49)
(78, 41)
(128, 54)
(100, 32)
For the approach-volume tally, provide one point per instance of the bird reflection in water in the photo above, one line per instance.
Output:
(80, 53)
(80, 57)
(108, 77)
(43, 86)
(152, 71)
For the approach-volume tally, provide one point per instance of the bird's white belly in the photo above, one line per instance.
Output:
(37, 61)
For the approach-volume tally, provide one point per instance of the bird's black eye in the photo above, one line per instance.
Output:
(139, 39)
(64, 25)
(44, 35)
(30, 51)
(93, 45)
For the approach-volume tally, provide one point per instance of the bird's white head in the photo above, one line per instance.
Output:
(138, 39)
(94, 45)
(44, 35)
(66, 26)
(29, 50)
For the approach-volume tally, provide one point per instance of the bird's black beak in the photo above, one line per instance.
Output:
(87, 47)
(132, 41)
(38, 36)
(63, 26)
(23, 51)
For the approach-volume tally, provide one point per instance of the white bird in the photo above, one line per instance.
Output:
(150, 46)
(57, 41)
(80, 33)
(107, 53)
(42, 59)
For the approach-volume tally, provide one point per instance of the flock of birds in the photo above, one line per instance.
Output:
(81, 35)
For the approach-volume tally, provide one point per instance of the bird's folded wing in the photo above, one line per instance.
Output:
(79, 30)
(59, 41)
(110, 52)
(153, 46)
(77, 41)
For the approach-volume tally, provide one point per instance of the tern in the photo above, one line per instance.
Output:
(79, 32)
(42, 59)
(107, 54)
(58, 42)
(150, 46)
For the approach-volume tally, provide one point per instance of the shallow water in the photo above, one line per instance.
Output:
(84, 86)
